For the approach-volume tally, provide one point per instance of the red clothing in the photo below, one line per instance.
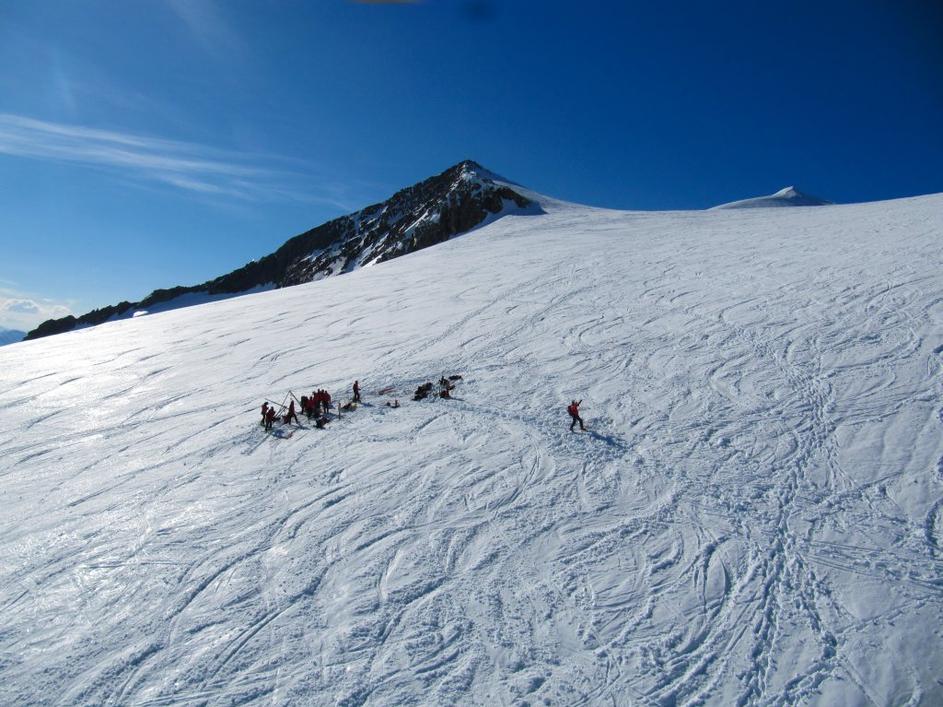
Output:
(573, 409)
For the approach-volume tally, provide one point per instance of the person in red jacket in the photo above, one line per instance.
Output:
(574, 409)
(270, 418)
(291, 414)
(326, 400)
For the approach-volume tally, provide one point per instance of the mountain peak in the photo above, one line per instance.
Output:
(469, 170)
(463, 197)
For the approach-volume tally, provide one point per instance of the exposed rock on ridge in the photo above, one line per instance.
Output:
(430, 212)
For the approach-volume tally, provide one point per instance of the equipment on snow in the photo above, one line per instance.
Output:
(423, 391)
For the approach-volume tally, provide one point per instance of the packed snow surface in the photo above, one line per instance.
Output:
(189, 299)
(754, 516)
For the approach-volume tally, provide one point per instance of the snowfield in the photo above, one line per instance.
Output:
(754, 516)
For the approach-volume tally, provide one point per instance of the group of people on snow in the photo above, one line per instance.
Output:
(314, 406)
(317, 405)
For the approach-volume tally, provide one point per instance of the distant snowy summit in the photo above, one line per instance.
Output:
(790, 196)
(462, 198)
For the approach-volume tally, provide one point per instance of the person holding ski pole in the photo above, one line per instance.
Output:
(574, 409)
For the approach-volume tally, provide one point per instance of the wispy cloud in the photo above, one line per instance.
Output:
(187, 166)
(24, 312)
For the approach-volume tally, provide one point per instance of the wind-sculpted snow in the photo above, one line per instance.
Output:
(786, 197)
(755, 515)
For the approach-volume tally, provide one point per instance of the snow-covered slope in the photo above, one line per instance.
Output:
(753, 517)
(788, 196)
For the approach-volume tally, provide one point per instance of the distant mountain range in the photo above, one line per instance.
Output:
(10, 336)
(460, 199)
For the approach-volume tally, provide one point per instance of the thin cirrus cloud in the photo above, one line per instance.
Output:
(186, 166)
(23, 312)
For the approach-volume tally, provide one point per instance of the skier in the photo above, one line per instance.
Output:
(291, 414)
(356, 391)
(264, 413)
(574, 409)
(270, 418)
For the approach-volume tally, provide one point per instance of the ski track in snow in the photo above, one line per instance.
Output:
(754, 516)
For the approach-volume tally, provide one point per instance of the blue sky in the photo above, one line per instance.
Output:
(164, 142)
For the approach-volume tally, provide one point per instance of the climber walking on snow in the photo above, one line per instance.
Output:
(357, 391)
(574, 409)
